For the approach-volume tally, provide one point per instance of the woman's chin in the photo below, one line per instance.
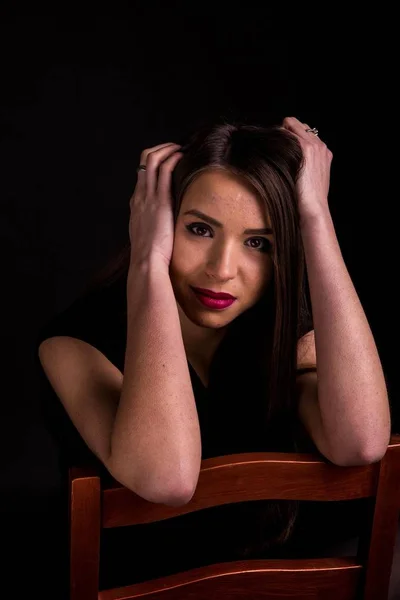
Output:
(204, 317)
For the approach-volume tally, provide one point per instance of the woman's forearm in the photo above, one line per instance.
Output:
(352, 391)
(155, 442)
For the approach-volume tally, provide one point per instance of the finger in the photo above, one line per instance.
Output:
(314, 138)
(164, 177)
(311, 133)
(297, 127)
(141, 173)
(146, 152)
(141, 185)
(154, 159)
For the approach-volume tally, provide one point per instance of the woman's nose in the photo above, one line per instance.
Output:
(222, 263)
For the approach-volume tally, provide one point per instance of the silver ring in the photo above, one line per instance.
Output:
(314, 130)
(141, 168)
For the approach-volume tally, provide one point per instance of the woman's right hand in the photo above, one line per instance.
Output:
(151, 225)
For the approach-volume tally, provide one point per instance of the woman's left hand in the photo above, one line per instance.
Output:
(313, 181)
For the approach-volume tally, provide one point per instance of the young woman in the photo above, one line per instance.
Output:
(200, 341)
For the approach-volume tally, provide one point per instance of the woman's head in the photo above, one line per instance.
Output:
(243, 177)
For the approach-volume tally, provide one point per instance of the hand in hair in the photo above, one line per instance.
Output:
(151, 226)
(313, 181)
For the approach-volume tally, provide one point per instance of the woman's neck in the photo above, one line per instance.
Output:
(201, 343)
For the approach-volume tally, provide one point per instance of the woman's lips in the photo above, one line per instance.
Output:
(212, 294)
(214, 303)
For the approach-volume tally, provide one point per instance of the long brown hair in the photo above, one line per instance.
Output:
(270, 159)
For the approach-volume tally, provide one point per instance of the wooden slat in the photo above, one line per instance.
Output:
(303, 579)
(251, 476)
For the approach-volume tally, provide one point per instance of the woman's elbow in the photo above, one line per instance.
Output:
(159, 490)
(368, 456)
(180, 498)
(168, 495)
(374, 455)
(178, 494)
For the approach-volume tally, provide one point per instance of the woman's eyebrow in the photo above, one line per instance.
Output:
(212, 221)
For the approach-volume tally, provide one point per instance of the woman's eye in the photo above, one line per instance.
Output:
(194, 226)
(262, 244)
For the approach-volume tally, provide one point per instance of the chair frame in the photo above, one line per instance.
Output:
(94, 504)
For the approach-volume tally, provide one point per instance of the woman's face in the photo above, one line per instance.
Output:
(221, 258)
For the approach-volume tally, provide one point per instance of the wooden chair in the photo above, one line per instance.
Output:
(238, 478)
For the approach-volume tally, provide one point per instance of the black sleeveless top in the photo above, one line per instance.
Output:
(100, 319)
(142, 552)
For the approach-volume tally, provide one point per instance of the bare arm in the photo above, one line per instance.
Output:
(346, 408)
(143, 425)
(155, 439)
(352, 394)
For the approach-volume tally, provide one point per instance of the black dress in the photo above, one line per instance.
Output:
(218, 534)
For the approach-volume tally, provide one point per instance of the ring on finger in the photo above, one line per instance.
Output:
(313, 130)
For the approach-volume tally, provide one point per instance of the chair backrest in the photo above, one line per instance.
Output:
(238, 478)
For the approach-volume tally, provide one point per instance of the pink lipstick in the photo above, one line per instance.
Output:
(216, 301)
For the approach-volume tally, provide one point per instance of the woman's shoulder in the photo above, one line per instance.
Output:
(97, 316)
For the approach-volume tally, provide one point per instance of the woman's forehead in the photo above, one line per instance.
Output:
(227, 195)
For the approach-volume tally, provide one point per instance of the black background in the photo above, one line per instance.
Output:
(81, 96)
